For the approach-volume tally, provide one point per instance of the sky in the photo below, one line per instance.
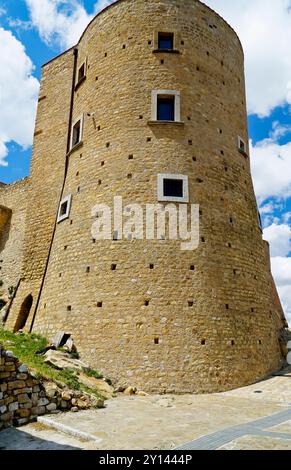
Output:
(34, 31)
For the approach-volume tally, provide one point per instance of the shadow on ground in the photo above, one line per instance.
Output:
(15, 439)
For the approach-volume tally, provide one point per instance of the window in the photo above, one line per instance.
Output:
(64, 209)
(242, 145)
(173, 188)
(82, 72)
(166, 106)
(77, 132)
(166, 41)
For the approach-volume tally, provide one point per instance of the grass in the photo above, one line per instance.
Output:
(24, 347)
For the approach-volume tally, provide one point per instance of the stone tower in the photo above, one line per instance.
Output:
(153, 94)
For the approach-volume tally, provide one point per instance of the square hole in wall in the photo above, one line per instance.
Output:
(146, 303)
(130, 157)
(99, 304)
(69, 308)
(113, 267)
(152, 266)
(192, 267)
(156, 340)
(190, 303)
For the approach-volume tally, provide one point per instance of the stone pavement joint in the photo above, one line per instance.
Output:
(256, 428)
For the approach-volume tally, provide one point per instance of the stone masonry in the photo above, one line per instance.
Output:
(144, 312)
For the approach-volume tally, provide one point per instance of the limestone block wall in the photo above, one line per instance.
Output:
(22, 396)
(13, 207)
(162, 319)
(46, 177)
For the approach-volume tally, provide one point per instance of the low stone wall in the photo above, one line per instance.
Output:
(23, 397)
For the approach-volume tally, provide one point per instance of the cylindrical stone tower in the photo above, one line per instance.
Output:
(158, 104)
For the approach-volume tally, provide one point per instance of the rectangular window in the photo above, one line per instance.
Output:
(166, 108)
(166, 41)
(241, 145)
(64, 209)
(173, 188)
(77, 131)
(82, 72)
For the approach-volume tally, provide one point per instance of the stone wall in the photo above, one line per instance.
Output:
(13, 206)
(162, 319)
(22, 396)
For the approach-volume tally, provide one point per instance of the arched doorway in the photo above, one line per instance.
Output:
(23, 314)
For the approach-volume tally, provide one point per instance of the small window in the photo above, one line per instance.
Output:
(77, 131)
(173, 188)
(64, 209)
(166, 108)
(81, 73)
(166, 41)
(242, 145)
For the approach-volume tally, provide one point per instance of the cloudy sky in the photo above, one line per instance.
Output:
(34, 31)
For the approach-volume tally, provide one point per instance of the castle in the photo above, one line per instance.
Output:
(150, 106)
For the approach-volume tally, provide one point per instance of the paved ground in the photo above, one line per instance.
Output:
(254, 417)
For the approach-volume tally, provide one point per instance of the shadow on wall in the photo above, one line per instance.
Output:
(14, 439)
(5, 224)
(23, 313)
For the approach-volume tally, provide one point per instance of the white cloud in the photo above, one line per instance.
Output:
(279, 237)
(271, 169)
(18, 94)
(281, 268)
(2, 11)
(61, 22)
(264, 27)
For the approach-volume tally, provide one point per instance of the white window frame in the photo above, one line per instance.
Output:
(81, 119)
(68, 200)
(165, 176)
(239, 141)
(177, 98)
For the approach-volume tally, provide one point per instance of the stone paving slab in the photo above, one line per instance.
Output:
(258, 416)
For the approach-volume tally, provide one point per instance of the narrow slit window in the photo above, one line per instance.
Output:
(77, 130)
(81, 73)
(242, 146)
(166, 41)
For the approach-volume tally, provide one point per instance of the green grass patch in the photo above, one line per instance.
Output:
(24, 347)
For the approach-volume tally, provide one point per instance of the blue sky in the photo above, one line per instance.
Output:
(34, 31)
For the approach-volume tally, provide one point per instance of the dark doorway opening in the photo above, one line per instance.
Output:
(23, 314)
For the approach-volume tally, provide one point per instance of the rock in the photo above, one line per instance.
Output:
(13, 406)
(140, 393)
(9, 354)
(51, 407)
(67, 396)
(60, 339)
(82, 405)
(69, 345)
(64, 404)
(43, 402)
(23, 369)
(99, 385)
(130, 391)
(51, 389)
(75, 409)
(61, 360)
